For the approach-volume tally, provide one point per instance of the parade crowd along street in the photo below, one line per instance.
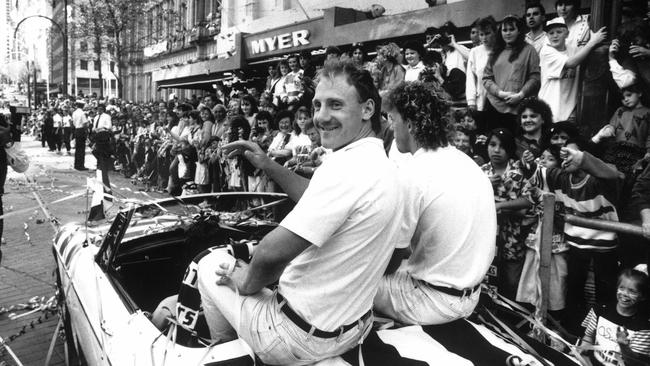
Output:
(510, 106)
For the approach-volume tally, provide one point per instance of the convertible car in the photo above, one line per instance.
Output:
(112, 277)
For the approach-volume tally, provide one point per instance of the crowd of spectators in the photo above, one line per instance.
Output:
(514, 92)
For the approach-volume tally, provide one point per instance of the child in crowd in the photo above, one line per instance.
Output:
(507, 177)
(587, 187)
(534, 191)
(559, 84)
(630, 123)
(621, 329)
(465, 120)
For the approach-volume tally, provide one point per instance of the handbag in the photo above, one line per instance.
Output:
(17, 158)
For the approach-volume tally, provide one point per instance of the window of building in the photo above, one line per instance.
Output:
(83, 46)
(112, 66)
(83, 64)
(98, 64)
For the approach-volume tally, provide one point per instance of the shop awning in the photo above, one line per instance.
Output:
(203, 82)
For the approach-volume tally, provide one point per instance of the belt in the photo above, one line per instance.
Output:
(455, 292)
(302, 324)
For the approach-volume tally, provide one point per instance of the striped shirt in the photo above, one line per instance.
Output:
(591, 198)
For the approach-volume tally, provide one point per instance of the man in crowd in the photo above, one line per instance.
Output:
(330, 252)
(535, 20)
(80, 122)
(103, 149)
(450, 253)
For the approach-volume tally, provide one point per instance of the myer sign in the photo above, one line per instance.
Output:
(280, 42)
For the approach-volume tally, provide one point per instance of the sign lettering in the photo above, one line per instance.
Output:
(280, 42)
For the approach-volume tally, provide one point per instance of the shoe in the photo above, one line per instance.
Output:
(82, 168)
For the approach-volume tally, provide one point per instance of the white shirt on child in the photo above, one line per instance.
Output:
(559, 85)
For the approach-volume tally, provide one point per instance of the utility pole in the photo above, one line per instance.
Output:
(65, 47)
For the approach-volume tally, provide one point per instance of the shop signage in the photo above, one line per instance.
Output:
(155, 49)
(280, 42)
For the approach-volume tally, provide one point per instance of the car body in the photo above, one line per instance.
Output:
(111, 277)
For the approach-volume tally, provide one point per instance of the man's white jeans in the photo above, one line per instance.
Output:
(259, 320)
(411, 301)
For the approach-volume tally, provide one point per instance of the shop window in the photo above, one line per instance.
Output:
(83, 64)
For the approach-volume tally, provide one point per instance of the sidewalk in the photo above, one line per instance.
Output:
(27, 267)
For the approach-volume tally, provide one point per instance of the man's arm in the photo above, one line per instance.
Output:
(290, 182)
(271, 257)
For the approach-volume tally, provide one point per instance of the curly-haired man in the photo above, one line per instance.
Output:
(449, 223)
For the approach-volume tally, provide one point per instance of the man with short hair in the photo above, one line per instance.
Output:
(80, 122)
(535, 19)
(330, 252)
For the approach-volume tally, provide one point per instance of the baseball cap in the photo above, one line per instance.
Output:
(554, 23)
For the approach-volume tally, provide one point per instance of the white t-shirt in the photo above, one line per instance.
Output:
(103, 121)
(454, 60)
(474, 89)
(58, 120)
(412, 73)
(449, 217)
(67, 121)
(348, 214)
(295, 141)
(559, 85)
(79, 118)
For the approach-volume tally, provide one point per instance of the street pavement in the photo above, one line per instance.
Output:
(27, 267)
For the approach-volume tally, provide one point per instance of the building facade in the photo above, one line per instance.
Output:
(83, 64)
(190, 46)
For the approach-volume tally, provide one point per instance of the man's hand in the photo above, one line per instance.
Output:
(646, 230)
(251, 151)
(571, 157)
(639, 52)
(233, 277)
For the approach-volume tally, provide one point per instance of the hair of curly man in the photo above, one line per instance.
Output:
(426, 107)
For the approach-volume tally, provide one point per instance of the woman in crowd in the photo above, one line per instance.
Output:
(478, 58)
(278, 90)
(512, 73)
(359, 56)
(392, 73)
(249, 108)
(535, 120)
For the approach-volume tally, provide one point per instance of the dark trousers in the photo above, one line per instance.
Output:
(58, 138)
(79, 148)
(605, 267)
(105, 164)
(67, 133)
(495, 119)
(174, 185)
